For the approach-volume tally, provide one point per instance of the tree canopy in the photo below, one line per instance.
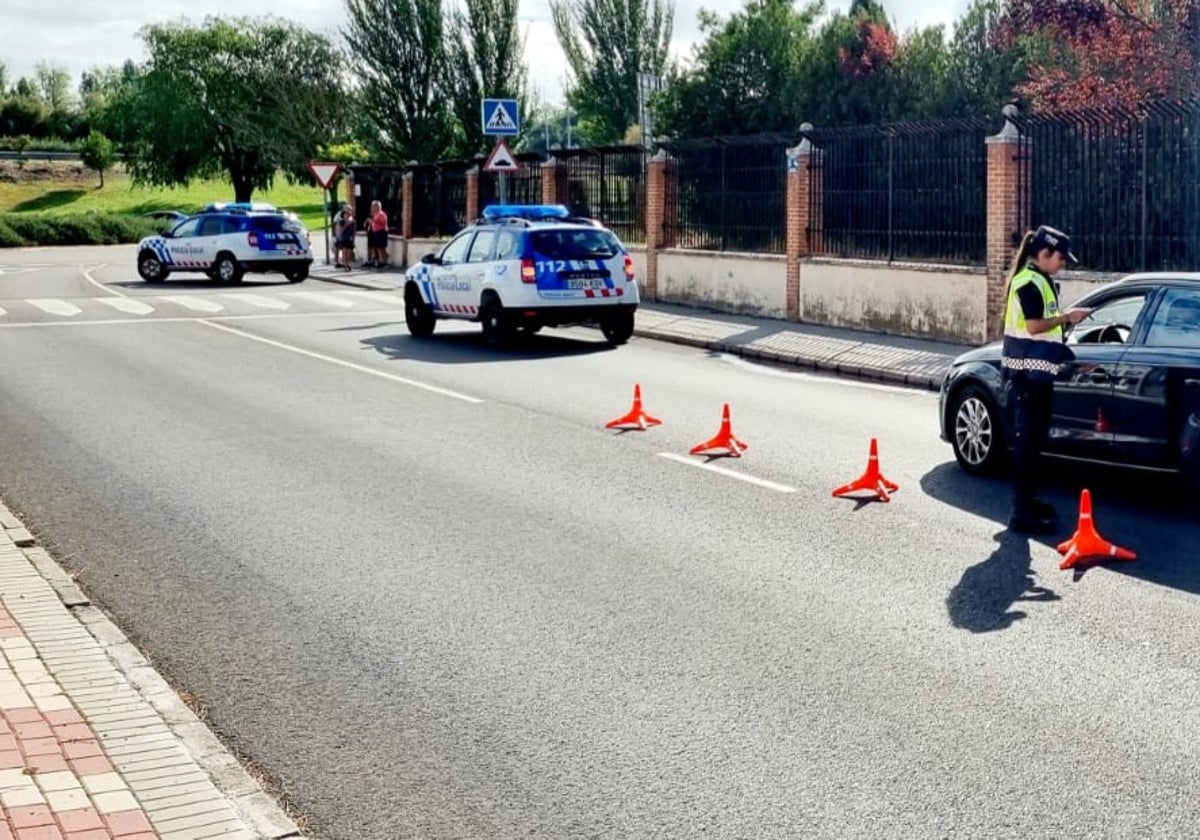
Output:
(247, 97)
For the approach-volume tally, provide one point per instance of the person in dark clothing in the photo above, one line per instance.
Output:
(1033, 352)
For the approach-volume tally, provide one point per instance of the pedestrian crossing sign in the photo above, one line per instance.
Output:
(501, 117)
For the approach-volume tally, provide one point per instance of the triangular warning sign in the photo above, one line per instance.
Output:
(501, 159)
(323, 172)
(500, 120)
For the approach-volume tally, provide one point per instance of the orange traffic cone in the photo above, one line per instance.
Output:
(872, 479)
(636, 415)
(1086, 542)
(724, 439)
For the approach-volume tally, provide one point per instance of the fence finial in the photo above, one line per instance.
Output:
(805, 145)
(1010, 131)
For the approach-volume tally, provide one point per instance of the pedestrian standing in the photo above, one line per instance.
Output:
(1033, 352)
(377, 236)
(346, 236)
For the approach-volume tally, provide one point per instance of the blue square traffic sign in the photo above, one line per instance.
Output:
(501, 117)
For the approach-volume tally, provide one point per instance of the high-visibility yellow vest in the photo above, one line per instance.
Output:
(1034, 356)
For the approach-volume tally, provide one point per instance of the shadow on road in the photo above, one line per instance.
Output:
(453, 348)
(204, 283)
(1150, 514)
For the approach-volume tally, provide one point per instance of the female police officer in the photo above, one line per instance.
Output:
(1033, 351)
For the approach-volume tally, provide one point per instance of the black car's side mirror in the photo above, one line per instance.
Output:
(167, 234)
(430, 259)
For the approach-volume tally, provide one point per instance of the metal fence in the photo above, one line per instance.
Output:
(524, 187)
(382, 183)
(439, 197)
(1125, 186)
(730, 193)
(606, 183)
(908, 191)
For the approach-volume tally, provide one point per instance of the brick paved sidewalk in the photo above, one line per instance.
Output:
(94, 745)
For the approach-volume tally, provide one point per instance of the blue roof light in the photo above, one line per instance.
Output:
(532, 212)
(261, 206)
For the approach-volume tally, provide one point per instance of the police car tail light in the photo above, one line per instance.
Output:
(252, 239)
(629, 268)
(528, 273)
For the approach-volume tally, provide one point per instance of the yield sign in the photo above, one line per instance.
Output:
(501, 159)
(324, 172)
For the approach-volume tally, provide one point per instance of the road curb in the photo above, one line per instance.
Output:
(351, 281)
(260, 813)
(865, 372)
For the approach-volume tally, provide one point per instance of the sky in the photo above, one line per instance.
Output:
(82, 34)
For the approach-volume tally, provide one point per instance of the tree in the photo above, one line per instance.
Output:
(1106, 53)
(607, 44)
(23, 115)
(847, 77)
(3, 79)
(98, 153)
(24, 87)
(403, 74)
(246, 97)
(984, 67)
(745, 75)
(483, 49)
(54, 86)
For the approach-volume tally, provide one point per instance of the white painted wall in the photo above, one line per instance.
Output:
(744, 284)
(923, 301)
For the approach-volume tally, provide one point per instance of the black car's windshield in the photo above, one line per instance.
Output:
(575, 244)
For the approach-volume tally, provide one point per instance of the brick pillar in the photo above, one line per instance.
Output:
(472, 194)
(656, 188)
(406, 212)
(550, 182)
(1008, 160)
(799, 170)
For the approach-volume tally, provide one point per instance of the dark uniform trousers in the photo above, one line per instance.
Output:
(1032, 405)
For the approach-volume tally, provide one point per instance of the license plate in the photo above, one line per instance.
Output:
(584, 283)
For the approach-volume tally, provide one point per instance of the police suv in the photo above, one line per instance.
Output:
(225, 240)
(522, 267)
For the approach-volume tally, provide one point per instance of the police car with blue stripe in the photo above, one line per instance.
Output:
(226, 240)
(522, 267)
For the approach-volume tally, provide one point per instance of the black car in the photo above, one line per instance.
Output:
(1130, 396)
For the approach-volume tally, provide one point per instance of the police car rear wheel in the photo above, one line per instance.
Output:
(227, 269)
(976, 432)
(295, 275)
(151, 268)
(418, 316)
(618, 328)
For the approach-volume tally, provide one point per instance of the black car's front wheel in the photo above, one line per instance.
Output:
(977, 431)
(418, 315)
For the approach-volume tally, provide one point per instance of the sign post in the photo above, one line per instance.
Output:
(501, 118)
(324, 172)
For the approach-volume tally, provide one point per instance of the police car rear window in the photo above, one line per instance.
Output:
(575, 244)
(276, 224)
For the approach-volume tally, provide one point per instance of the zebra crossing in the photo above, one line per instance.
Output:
(173, 307)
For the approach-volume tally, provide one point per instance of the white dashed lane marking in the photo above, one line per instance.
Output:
(53, 306)
(261, 301)
(196, 304)
(124, 304)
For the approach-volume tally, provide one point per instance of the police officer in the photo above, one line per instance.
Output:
(1033, 352)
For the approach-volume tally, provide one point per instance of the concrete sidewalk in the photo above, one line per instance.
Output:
(884, 358)
(94, 745)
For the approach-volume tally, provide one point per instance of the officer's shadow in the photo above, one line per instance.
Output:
(984, 599)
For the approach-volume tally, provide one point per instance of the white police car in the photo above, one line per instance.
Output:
(226, 240)
(522, 267)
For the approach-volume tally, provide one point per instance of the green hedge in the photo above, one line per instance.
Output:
(24, 229)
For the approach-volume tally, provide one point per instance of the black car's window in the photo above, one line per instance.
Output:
(188, 228)
(1111, 322)
(1177, 321)
(575, 244)
(456, 251)
(481, 248)
(508, 245)
(211, 226)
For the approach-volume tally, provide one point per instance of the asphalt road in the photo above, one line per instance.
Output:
(421, 586)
